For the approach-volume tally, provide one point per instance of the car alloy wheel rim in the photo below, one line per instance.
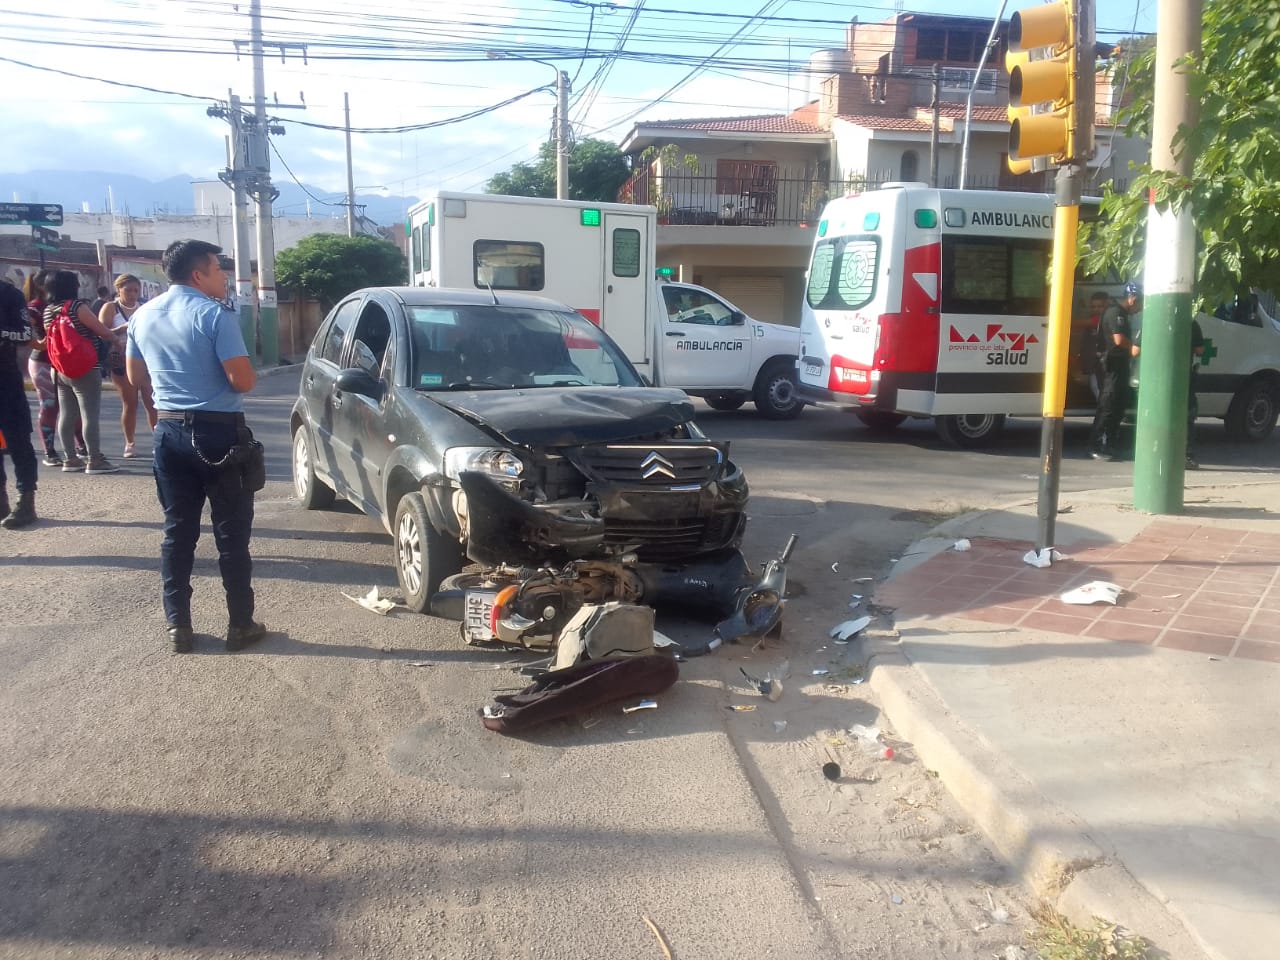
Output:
(301, 464)
(409, 551)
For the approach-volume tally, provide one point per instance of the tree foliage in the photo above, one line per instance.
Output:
(328, 266)
(1233, 192)
(596, 172)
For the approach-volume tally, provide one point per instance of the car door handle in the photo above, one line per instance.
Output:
(675, 333)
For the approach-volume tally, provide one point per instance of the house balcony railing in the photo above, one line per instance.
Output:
(694, 199)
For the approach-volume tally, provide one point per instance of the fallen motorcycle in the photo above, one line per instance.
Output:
(530, 607)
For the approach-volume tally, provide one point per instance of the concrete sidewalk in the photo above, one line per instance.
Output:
(1126, 758)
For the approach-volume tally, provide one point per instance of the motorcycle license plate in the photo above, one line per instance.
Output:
(477, 610)
(812, 369)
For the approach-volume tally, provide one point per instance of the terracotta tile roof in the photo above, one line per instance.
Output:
(761, 123)
(905, 124)
(982, 112)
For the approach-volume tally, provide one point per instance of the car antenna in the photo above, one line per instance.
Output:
(489, 287)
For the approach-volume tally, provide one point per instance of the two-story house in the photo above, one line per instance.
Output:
(738, 197)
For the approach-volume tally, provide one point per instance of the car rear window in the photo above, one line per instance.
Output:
(842, 273)
(454, 346)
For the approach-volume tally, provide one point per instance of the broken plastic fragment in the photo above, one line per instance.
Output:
(661, 640)
(850, 628)
(821, 672)
(422, 663)
(770, 685)
(896, 899)
(835, 567)
(1098, 591)
(642, 705)
(741, 707)
(492, 712)
(961, 545)
(1041, 558)
(864, 579)
(372, 601)
(779, 726)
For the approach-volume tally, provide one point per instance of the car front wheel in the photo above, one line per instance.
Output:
(422, 556)
(312, 492)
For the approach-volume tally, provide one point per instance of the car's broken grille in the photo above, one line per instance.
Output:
(656, 539)
(659, 465)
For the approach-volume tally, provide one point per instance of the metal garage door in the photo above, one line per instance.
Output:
(760, 297)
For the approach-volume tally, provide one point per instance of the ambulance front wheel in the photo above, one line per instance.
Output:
(969, 430)
(775, 394)
(1253, 411)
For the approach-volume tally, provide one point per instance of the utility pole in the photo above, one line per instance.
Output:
(351, 177)
(933, 139)
(562, 135)
(1169, 273)
(240, 222)
(268, 308)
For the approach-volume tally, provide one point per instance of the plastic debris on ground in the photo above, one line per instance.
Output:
(850, 628)
(373, 601)
(642, 705)
(1098, 591)
(1041, 558)
(741, 707)
(863, 579)
(896, 899)
(821, 672)
(869, 740)
(661, 640)
(961, 546)
(779, 726)
(770, 685)
(835, 567)
(422, 663)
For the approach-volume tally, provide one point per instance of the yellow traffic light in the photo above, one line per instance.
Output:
(1044, 69)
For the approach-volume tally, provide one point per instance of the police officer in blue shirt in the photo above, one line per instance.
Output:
(187, 347)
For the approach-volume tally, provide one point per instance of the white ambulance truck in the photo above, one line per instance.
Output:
(599, 258)
(934, 303)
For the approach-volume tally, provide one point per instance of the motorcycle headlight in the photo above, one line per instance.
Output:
(495, 461)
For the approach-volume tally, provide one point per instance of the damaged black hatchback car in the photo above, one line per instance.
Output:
(506, 429)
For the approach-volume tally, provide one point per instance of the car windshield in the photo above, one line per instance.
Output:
(478, 346)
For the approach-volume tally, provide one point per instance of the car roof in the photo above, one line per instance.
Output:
(441, 296)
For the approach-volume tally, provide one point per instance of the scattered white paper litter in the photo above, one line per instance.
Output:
(1099, 591)
(843, 631)
(661, 640)
(1041, 558)
(962, 545)
(821, 672)
(372, 601)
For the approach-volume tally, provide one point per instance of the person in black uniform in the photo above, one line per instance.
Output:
(15, 413)
(1115, 348)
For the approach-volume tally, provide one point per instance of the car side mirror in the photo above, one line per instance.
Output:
(644, 378)
(354, 380)
(737, 318)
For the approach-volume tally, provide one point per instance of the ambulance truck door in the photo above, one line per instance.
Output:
(626, 284)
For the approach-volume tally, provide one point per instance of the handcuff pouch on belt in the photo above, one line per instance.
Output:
(245, 465)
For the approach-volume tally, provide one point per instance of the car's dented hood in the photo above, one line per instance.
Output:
(562, 416)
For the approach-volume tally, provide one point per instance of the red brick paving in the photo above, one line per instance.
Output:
(1206, 589)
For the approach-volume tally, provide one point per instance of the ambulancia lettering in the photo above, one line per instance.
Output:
(710, 344)
(1005, 218)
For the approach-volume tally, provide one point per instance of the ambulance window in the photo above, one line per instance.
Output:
(626, 253)
(842, 274)
(508, 265)
(417, 249)
(1000, 276)
(426, 244)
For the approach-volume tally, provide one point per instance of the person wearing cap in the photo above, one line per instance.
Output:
(1115, 349)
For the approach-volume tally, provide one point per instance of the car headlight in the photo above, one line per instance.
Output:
(494, 461)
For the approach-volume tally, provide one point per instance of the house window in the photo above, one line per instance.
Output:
(742, 176)
(931, 44)
(910, 165)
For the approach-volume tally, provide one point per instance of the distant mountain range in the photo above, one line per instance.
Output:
(144, 198)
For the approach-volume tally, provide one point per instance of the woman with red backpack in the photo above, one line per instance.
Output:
(41, 372)
(67, 319)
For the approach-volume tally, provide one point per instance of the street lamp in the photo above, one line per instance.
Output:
(561, 118)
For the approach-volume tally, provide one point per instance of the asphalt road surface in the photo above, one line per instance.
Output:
(331, 792)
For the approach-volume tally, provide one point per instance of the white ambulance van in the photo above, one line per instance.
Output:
(599, 258)
(934, 303)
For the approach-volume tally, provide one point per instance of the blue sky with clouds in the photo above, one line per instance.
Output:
(407, 63)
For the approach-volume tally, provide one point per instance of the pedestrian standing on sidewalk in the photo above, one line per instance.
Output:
(187, 348)
(79, 398)
(41, 373)
(115, 314)
(15, 414)
(1115, 349)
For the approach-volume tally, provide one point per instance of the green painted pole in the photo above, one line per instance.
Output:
(1165, 359)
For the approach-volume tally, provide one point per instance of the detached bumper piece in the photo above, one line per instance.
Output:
(503, 529)
(563, 693)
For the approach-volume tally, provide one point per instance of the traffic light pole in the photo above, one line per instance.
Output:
(1169, 272)
(1066, 222)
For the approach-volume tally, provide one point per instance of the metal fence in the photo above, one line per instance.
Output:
(691, 198)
